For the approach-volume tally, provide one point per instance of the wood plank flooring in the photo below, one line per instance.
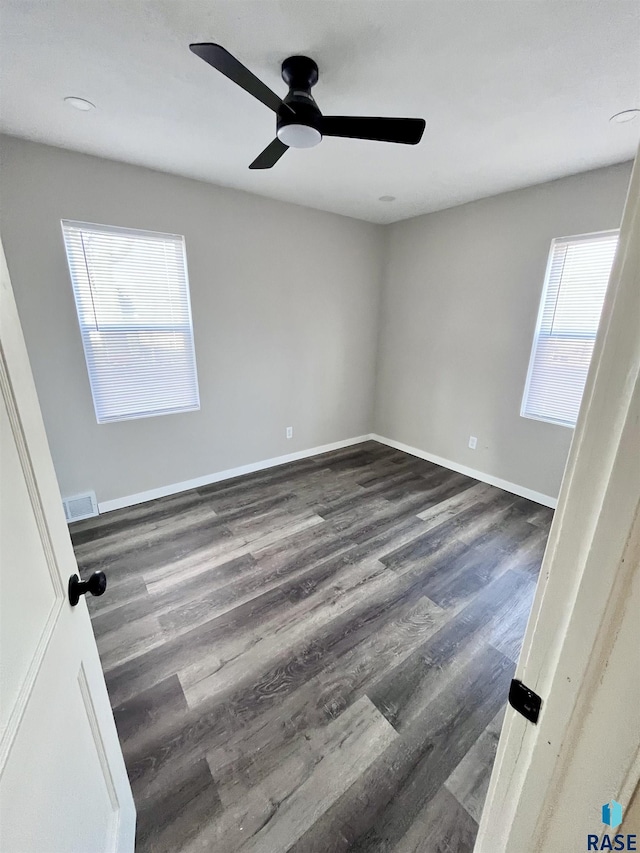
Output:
(314, 658)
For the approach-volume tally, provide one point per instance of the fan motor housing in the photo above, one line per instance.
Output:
(299, 73)
(304, 112)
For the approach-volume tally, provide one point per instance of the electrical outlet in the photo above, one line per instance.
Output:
(473, 441)
(289, 432)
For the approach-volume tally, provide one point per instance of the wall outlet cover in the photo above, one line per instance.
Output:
(289, 432)
(473, 442)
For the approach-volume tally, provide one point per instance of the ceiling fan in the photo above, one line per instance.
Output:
(299, 123)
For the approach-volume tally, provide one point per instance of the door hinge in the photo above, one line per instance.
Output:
(525, 701)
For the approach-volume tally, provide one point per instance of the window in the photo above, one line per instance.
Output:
(132, 295)
(576, 282)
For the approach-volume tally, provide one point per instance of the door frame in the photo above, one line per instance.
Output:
(589, 576)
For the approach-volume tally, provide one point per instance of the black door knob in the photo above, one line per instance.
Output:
(96, 585)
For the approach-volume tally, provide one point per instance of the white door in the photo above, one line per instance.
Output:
(63, 782)
(581, 652)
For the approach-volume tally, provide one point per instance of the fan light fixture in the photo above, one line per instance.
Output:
(299, 135)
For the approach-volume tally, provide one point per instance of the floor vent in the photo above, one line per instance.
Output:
(80, 506)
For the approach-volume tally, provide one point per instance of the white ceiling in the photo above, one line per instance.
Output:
(514, 92)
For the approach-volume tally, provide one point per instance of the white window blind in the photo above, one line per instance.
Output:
(574, 290)
(132, 295)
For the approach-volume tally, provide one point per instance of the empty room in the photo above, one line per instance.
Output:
(319, 335)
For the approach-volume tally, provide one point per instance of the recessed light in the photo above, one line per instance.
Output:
(80, 104)
(387, 198)
(624, 116)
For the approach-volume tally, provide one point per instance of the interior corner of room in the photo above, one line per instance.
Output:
(417, 333)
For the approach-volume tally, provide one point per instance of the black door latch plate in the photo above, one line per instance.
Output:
(525, 701)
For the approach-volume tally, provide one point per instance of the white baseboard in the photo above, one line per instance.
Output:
(174, 488)
(514, 488)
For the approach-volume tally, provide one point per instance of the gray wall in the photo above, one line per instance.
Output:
(461, 294)
(289, 324)
(284, 300)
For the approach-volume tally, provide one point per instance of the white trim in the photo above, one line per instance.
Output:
(514, 488)
(542, 419)
(163, 491)
(590, 236)
(120, 229)
(583, 633)
(174, 488)
(187, 327)
(541, 310)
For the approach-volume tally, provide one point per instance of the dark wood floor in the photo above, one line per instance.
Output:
(314, 658)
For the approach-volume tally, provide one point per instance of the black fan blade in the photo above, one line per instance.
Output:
(406, 130)
(228, 65)
(270, 156)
